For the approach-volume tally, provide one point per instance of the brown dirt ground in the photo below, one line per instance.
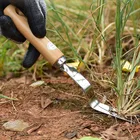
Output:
(57, 110)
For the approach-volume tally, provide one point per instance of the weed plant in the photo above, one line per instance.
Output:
(127, 88)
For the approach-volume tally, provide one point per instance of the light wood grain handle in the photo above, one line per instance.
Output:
(50, 52)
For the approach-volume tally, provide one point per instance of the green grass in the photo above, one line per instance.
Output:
(8, 98)
(128, 103)
(10, 56)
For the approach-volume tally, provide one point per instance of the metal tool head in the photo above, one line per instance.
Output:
(73, 73)
(103, 108)
(77, 77)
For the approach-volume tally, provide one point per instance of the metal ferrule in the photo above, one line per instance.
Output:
(60, 62)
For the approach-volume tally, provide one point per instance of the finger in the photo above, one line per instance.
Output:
(30, 57)
(35, 12)
(9, 30)
(43, 8)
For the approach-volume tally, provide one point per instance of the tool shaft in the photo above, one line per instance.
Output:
(50, 52)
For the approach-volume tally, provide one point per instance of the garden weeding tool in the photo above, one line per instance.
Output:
(50, 52)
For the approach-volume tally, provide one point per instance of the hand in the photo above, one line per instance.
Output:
(35, 11)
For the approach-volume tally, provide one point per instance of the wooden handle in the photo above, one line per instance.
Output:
(43, 45)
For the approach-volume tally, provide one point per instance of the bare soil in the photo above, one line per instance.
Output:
(57, 110)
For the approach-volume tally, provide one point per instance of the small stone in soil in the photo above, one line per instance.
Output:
(17, 125)
(71, 135)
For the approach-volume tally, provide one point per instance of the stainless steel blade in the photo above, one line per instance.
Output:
(100, 107)
(76, 76)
